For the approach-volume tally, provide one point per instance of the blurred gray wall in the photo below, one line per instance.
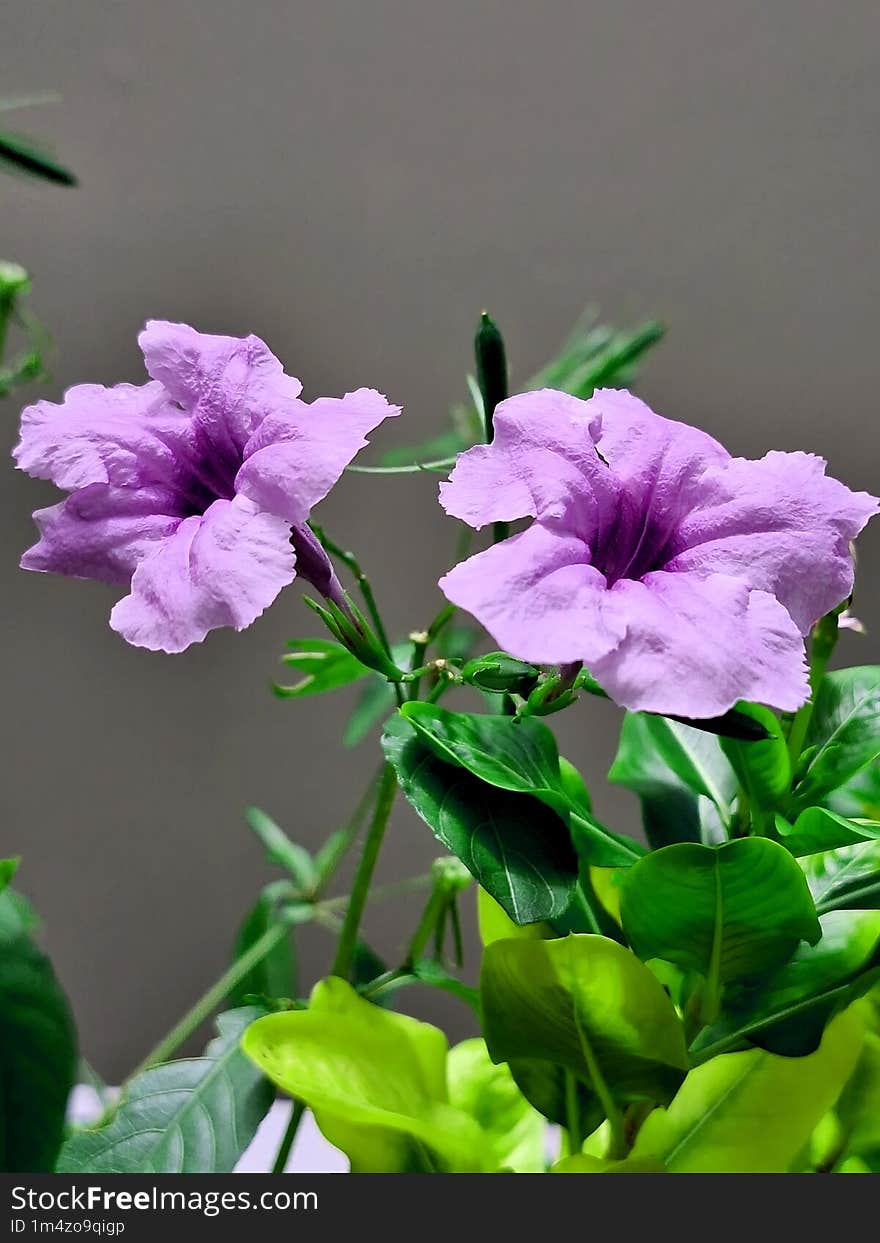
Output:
(353, 182)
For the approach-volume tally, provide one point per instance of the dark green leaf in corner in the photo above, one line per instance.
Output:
(197, 1115)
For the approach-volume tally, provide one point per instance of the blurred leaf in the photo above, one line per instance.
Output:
(8, 868)
(488, 1094)
(817, 829)
(858, 1108)
(280, 850)
(24, 155)
(197, 1115)
(845, 879)
(374, 705)
(275, 975)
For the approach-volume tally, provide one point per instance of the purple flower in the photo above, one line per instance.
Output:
(684, 578)
(186, 488)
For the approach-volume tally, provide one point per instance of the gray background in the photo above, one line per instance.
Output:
(353, 182)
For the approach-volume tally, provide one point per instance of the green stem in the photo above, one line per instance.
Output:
(824, 641)
(346, 837)
(296, 1113)
(216, 994)
(364, 875)
(434, 909)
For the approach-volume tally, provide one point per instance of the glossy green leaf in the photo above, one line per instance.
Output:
(516, 847)
(488, 1094)
(375, 1080)
(38, 1055)
(749, 1113)
(586, 1004)
(727, 912)
(818, 829)
(521, 756)
(280, 850)
(858, 1107)
(682, 777)
(787, 1011)
(844, 733)
(762, 768)
(497, 671)
(197, 1115)
(275, 975)
(845, 879)
(322, 664)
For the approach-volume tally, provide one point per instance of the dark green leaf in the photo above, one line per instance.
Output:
(8, 868)
(845, 879)
(587, 1004)
(727, 912)
(519, 755)
(763, 768)
(193, 1116)
(517, 848)
(324, 666)
(38, 1056)
(23, 155)
(275, 975)
(787, 1013)
(280, 850)
(681, 775)
(844, 733)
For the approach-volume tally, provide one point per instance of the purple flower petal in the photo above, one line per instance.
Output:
(102, 531)
(219, 569)
(298, 453)
(780, 525)
(540, 462)
(228, 384)
(539, 597)
(695, 646)
(128, 435)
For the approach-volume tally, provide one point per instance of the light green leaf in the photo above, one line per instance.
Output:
(194, 1116)
(750, 1113)
(685, 783)
(845, 879)
(323, 665)
(587, 1004)
(375, 1080)
(763, 768)
(844, 733)
(787, 1011)
(858, 1108)
(727, 911)
(496, 925)
(521, 756)
(8, 868)
(38, 1056)
(817, 829)
(488, 1093)
(280, 850)
(516, 847)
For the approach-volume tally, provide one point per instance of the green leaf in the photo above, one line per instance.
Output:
(280, 850)
(727, 912)
(817, 829)
(375, 1080)
(275, 975)
(324, 666)
(787, 1012)
(519, 755)
(684, 781)
(17, 916)
(24, 155)
(499, 672)
(763, 768)
(844, 733)
(513, 845)
(38, 1055)
(488, 1094)
(858, 1108)
(375, 703)
(194, 1116)
(860, 797)
(588, 1005)
(845, 879)
(496, 925)
(752, 1112)
(8, 868)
